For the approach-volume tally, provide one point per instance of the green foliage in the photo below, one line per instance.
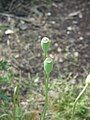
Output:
(4, 65)
(5, 77)
(62, 105)
(3, 26)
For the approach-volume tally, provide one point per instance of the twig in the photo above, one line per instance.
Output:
(16, 17)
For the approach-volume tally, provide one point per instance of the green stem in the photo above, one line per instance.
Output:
(46, 89)
(45, 55)
(46, 77)
(80, 94)
(46, 97)
(14, 105)
(14, 116)
(15, 101)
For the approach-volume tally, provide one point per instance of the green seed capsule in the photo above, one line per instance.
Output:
(48, 65)
(45, 44)
(88, 79)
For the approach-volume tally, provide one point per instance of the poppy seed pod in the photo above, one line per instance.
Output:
(88, 80)
(45, 44)
(48, 65)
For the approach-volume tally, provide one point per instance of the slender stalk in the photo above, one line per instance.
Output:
(45, 55)
(45, 44)
(44, 111)
(46, 87)
(46, 97)
(46, 94)
(14, 115)
(15, 100)
(80, 94)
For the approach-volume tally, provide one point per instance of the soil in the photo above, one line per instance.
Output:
(65, 22)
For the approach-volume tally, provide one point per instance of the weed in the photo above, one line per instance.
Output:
(48, 66)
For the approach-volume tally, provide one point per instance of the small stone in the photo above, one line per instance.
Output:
(68, 32)
(80, 15)
(81, 38)
(60, 60)
(49, 14)
(7, 32)
(59, 49)
(76, 54)
(17, 56)
(36, 80)
(69, 28)
(23, 26)
(52, 56)
(53, 22)
(56, 44)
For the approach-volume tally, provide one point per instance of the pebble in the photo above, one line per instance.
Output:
(53, 22)
(36, 80)
(23, 26)
(16, 56)
(81, 38)
(56, 44)
(7, 32)
(59, 49)
(68, 32)
(80, 15)
(60, 60)
(48, 14)
(69, 28)
(76, 54)
(52, 56)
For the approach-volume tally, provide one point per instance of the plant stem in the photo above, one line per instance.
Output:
(14, 115)
(46, 77)
(15, 101)
(45, 55)
(80, 94)
(46, 97)
(46, 89)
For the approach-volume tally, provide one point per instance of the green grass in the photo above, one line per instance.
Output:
(61, 96)
(62, 106)
(60, 103)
